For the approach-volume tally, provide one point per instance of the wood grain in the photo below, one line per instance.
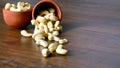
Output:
(93, 30)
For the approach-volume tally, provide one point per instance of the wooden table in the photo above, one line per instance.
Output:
(91, 26)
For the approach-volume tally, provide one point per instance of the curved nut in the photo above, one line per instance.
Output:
(50, 36)
(53, 18)
(46, 29)
(57, 23)
(25, 33)
(52, 47)
(50, 24)
(8, 6)
(63, 41)
(40, 19)
(51, 10)
(60, 50)
(55, 33)
(56, 38)
(45, 52)
(43, 43)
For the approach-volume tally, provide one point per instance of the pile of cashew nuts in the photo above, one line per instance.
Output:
(47, 33)
(21, 6)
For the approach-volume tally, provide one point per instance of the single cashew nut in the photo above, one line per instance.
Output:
(8, 6)
(43, 43)
(46, 29)
(55, 33)
(50, 24)
(25, 33)
(60, 50)
(56, 38)
(45, 52)
(63, 41)
(53, 18)
(51, 10)
(50, 36)
(40, 19)
(57, 23)
(52, 47)
(34, 22)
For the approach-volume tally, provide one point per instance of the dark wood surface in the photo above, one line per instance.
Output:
(91, 26)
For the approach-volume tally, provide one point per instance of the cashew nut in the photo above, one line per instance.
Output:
(57, 23)
(43, 43)
(46, 29)
(55, 33)
(53, 18)
(60, 50)
(45, 52)
(50, 24)
(56, 38)
(63, 41)
(52, 47)
(8, 6)
(51, 10)
(50, 36)
(25, 33)
(40, 19)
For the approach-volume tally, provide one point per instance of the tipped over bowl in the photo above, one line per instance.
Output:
(45, 4)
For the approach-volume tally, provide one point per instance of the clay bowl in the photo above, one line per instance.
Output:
(16, 19)
(45, 4)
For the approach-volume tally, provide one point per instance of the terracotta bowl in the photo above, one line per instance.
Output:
(17, 19)
(45, 4)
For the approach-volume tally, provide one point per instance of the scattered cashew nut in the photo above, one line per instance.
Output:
(25, 33)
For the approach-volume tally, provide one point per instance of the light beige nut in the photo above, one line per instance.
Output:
(41, 24)
(25, 33)
(45, 52)
(39, 37)
(34, 22)
(50, 36)
(47, 16)
(56, 38)
(40, 19)
(66, 41)
(46, 29)
(53, 18)
(44, 43)
(60, 50)
(37, 32)
(8, 6)
(51, 10)
(51, 29)
(52, 47)
(57, 23)
(14, 6)
(14, 9)
(55, 33)
(63, 41)
(59, 28)
(50, 24)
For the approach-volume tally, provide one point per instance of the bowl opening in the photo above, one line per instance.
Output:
(44, 6)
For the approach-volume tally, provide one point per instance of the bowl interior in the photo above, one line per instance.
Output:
(44, 5)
